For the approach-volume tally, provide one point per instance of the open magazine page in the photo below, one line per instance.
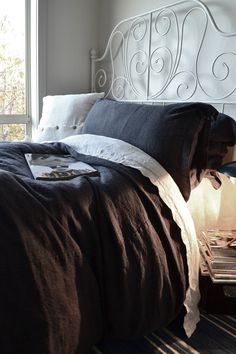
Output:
(57, 167)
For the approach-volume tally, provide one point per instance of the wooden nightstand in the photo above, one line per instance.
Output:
(216, 297)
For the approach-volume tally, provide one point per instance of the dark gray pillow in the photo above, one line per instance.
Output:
(222, 135)
(171, 134)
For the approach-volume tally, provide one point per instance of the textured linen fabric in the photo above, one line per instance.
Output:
(86, 258)
(171, 134)
(121, 152)
(64, 115)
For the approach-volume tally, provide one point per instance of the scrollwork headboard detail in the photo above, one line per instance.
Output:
(174, 53)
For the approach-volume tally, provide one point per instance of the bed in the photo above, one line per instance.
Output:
(115, 255)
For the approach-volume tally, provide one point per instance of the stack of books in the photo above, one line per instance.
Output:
(218, 251)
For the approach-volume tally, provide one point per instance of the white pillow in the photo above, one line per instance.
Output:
(64, 115)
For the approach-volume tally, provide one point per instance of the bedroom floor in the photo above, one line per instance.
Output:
(215, 334)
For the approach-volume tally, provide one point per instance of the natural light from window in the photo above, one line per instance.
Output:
(13, 88)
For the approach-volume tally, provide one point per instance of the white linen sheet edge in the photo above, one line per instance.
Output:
(121, 152)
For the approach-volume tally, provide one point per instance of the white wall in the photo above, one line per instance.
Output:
(116, 10)
(72, 29)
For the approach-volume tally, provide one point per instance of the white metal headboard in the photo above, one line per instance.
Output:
(174, 53)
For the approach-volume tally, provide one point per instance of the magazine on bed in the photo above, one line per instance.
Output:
(57, 167)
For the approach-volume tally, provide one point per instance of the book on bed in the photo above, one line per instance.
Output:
(57, 167)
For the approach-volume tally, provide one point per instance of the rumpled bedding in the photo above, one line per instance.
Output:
(121, 152)
(93, 257)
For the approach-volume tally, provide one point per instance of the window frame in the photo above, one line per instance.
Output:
(23, 118)
(38, 59)
(35, 66)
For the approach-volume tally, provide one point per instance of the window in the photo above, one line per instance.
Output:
(15, 121)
